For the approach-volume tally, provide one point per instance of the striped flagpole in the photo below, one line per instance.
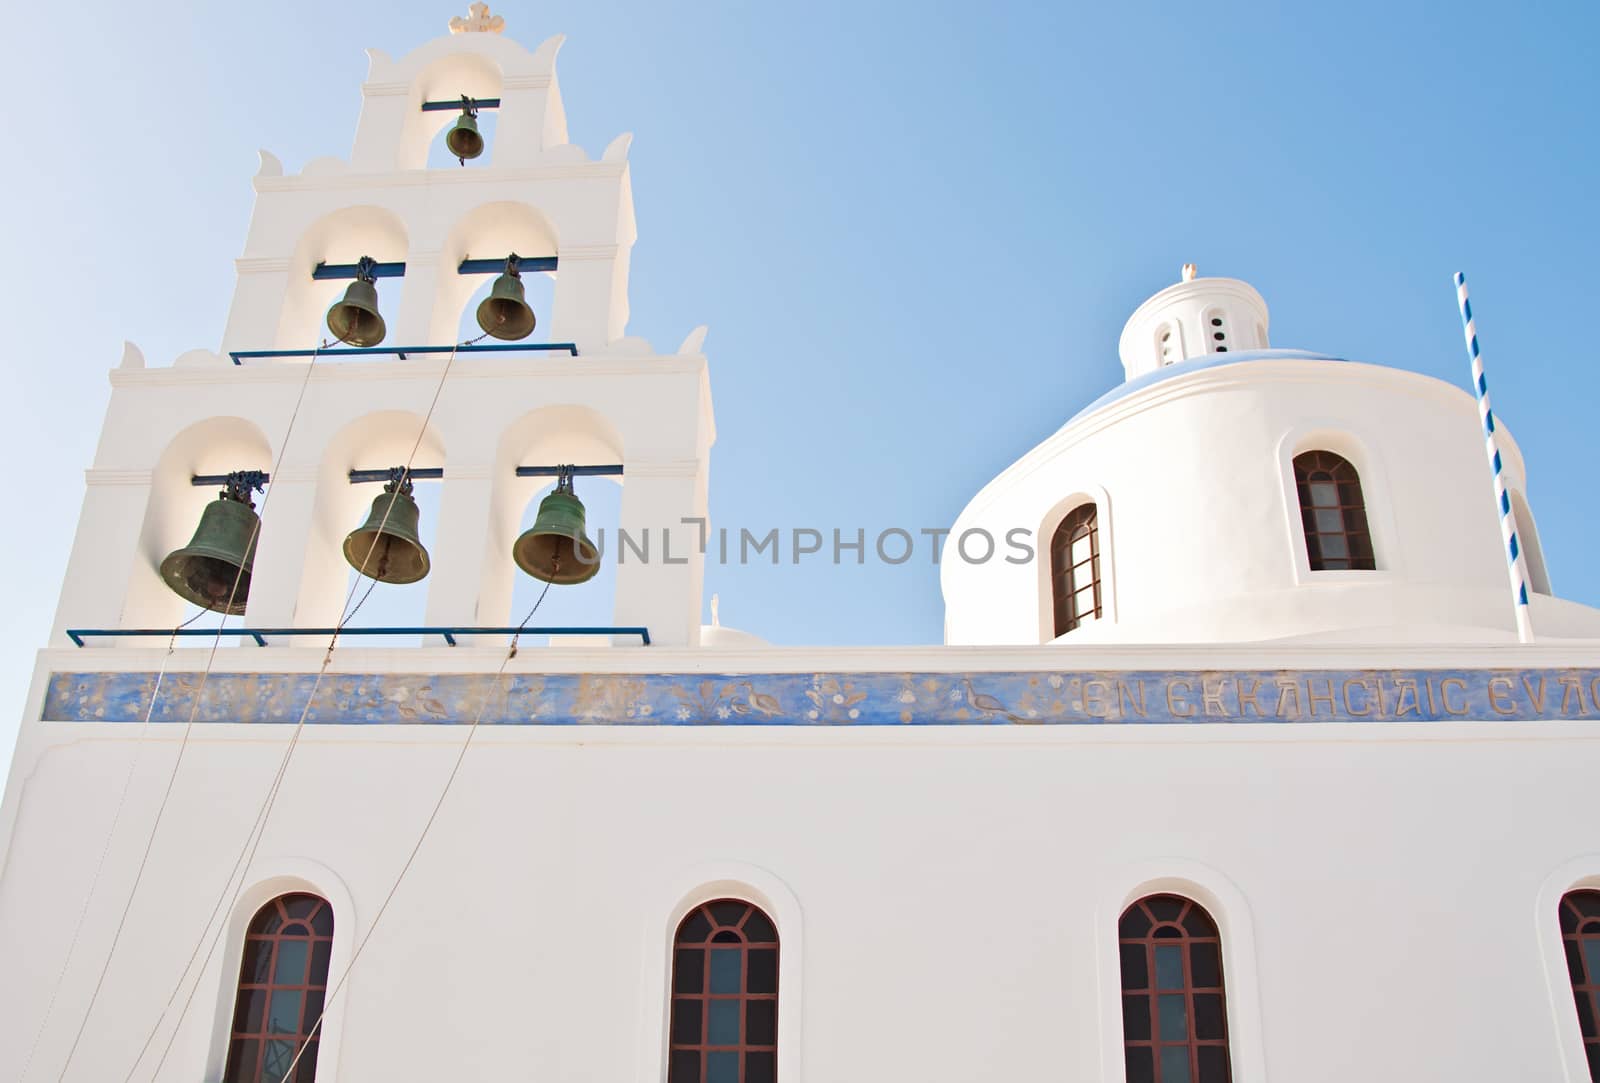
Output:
(1516, 565)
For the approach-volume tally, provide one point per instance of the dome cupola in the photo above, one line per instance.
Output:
(1195, 317)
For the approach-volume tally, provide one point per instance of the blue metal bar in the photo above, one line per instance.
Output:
(433, 473)
(495, 266)
(445, 107)
(448, 632)
(348, 270)
(576, 471)
(199, 480)
(239, 356)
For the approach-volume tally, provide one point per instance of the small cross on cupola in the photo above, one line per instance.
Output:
(477, 21)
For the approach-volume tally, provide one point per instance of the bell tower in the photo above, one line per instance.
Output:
(342, 358)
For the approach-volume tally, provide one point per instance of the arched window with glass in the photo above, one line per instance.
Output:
(1075, 569)
(1580, 936)
(1174, 1017)
(724, 1026)
(283, 979)
(1333, 512)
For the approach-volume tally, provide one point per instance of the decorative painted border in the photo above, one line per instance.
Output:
(830, 699)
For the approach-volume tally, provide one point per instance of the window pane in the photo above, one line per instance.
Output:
(1175, 1064)
(722, 1027)
(284, 1017)
(760, 1067)
(1329, 521)
(1205, 968)
(1141, 1064)
(257, 961)
(758, 928)
(1324, 494)
(275, 1065)
(248, 1010)
(242, 1054)
(300, 906)
(1169, 966)
(1591, 959)
(1165, 907)
(1082, 549)
(763, 964)
(725, 970)
(683, 1066)
(1134, 924)
(290, 968)
(1198, 922)
(312, 1013)
(1174, 1017)
(307, 1072)
(1134, 975)
(686, 1022)
(1083, 602)
(728, 911)
(722, 1067)
(320, 950)
(688, 972)
(1213, 1064)
(1574, 962)
(323, 924)
(1585, 1013)
(761, 1022)
(1136, 1018)
(695, 929)
(1208, 1015)
(1334, 546)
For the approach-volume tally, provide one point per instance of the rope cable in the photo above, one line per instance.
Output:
(258, 828)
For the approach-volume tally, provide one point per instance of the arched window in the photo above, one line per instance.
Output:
(1333, 512)
(724, 996)
(1075, 569)
(1580, 935)
(1174, 1021)
(282, 981)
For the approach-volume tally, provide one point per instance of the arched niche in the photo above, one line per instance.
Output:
(342, 236)
(549, 436)
(217, 445)
(375, 441)
(446, 79)
(490, 231)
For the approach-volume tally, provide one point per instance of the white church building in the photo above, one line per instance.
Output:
(1243, 774)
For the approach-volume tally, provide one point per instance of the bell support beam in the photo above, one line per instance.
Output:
(495, 266)
(449, 633)
(241, 356)
(434, 473)
(454, 106)
(325, 271)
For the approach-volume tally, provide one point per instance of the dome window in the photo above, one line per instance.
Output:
(1075, 569)
(1216, 329)
(1333, 513)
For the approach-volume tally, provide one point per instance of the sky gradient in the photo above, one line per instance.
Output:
(914, 230)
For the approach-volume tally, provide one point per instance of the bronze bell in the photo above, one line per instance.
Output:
(556, 549)
(464, 140)
(213, 570)
(386, 547)
(505, 314)
(356, 319)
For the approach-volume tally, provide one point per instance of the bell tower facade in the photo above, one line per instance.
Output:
(579, 391)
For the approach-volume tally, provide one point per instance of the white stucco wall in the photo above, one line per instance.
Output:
(947, 896)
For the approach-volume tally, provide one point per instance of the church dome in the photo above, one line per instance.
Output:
(1241, 495)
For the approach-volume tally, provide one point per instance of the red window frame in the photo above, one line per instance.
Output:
(724, 1020)
(1174, 1010)
(283, 980)
(1580, 939)
(1067, 579)
(1348, 531)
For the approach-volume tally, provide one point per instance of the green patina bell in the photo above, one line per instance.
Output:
(355, 318)
(505, 314)
(556, 549)
(387, 546)
(213, 570)
(464, 140)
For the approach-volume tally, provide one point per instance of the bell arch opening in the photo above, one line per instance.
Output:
(342, 237)
(174, 510)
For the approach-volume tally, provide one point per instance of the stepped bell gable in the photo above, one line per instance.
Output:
(382, 252)
(1241, 776)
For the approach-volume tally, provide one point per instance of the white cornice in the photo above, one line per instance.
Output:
(412, 178)
(467, 367)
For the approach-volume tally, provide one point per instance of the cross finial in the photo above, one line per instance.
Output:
(716, 618)
(1188, 272)
(478, 21)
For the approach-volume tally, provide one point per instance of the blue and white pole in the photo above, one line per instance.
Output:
(1516, 565)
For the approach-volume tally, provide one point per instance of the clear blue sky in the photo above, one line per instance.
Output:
(915, 230)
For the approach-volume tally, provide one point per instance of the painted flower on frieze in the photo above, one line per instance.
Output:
(706, 702)
(834, 699)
